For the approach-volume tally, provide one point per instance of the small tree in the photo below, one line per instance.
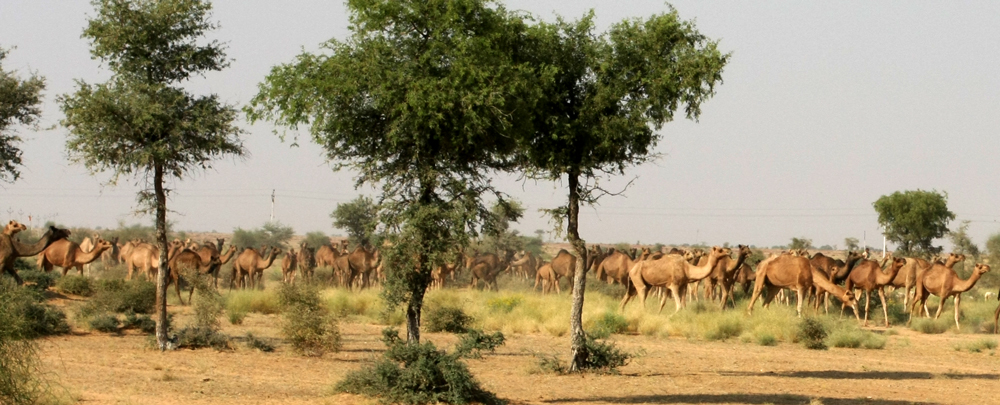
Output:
(499, 237)
(962, 243)
(142, 122)
(913, 219)
(273, 234)
(604, 98)
(20, 101)
(800, 243)
(316, 239)
(359, 218)
(851, 243)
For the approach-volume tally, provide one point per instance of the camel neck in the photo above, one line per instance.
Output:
(966, 285)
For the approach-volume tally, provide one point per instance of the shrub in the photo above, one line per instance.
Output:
(236, 317)
(308, 325)
(475, 341)
(19, 367)
(766, 339)
(447, 319)
(254, 342)
(208, 306)
(930, 326)
(37, 280)
(604, 356)
(195, 337)
(77, 285)
(610, 322)
(28, 306)
(811, 333)
(504, 305)
(120, 296)
(415, 373)
(143, 323)
(728, 327)
(981, 345)
(551, 364)
(107, 323)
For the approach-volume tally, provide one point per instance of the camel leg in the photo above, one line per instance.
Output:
(868, 298)
(559, 291)
(678, 299)
(940, 307)
(958, 299)
(885, 311)
(996, 318)
(758, 288)
(800, 295)
(772, 293)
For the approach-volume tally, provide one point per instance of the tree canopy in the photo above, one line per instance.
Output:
(800, 243)
(913, 219)
(359, 218)
(272, 234)
(851, 243)
(604, 99)
(424, 100)
(141, 123)
(20, 103)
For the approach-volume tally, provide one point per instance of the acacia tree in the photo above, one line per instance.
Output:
(913, 219)
(359, 218)
(800, 243)
(606, 98)
(851, 243)
(423, 100)
(20, 101)
(140, 123)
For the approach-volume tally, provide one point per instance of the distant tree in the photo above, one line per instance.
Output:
(962, 243)
(800, 243)
(827, 247)
(424, 100)
(498, 237)
(851, 244)
(540, 234)
(142, 122)
(272, 234)
(913, 219)
(359, 218)
(316, 239)
(20, 103)
(533, 245)
(602, 107)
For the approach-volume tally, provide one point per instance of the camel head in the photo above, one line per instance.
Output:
(850, 299)
(897, 262)
(982, 269)
(717, 253)
(13, 227)
(744, 250)
(57, 233)
(956, 257)
(102, 244)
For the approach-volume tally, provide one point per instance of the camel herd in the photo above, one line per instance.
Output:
(676, 273)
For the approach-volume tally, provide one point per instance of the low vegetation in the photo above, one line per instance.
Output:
(205, 331)
(307, 324)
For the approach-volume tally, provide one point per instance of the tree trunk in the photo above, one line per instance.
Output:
(161, 275)
(416, 303)
(578, 348)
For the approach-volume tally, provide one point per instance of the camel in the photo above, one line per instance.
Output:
(547, 277)
(868, 276)
(782, 271)
(68, 255)
(326, 256)
(614, 268)
(724, 273)
(11, 249)
(207, 251)
(110, 256)
(824, 285)
(944, 282)
(186, 259)
(596, 256)
(288, 266)
(563, 265)
(672, 272)
(486, 267)
(143, 256)
(357, 265)
(525, 264)
(306, 261)
(907, 277)
(250, 265)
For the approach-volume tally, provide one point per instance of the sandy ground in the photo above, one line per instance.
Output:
(912, 369)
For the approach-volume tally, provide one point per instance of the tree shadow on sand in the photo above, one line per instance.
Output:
(776, 399)
(866, 375)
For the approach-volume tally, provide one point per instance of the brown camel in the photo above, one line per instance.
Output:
(724, 273)
(614, 268)
(825, 286)
(144, 257)
(306, 261)
(944, 282)
(13, 227)
(111, 256)
(249, 265)
(782, 271)
(546, 277)
(868, 276)
(672, 272)
(11, 249)
(486, 267)
(563, 265)
(207, 251)
(358, 265)
(288, 266)
(907, 277)
(181, 260)
(66, 254)
(525, 265)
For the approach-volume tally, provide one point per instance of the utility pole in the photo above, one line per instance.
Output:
(272, 205)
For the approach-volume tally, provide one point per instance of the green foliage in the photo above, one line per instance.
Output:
(254, 342)
(981, 345)
(306, 323)
(851, 244)
(474, 342)
(126, 233)
(497, 235)
(105, 322)
(272, 234)
(609, 323)
(77, 285)
(766, 339)
(236, 317)
(415, 373)
(854, 338)
(913, 219)
(729, 327)
(359, 217)
(196, 337)
(551, 364)
(447, 319)
(19, 366)
(141, 322)
(962, 243)
(316, 239)
(20, 103)
(120, 296)
(504, 304)
(37, 280)
(801, 243)
(812, 333)
(930, 325)
(603, 356)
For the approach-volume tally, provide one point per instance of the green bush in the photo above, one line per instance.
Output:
(308, 325)
(120, 296)
(37, 317)
(766, 339)
(107, 323)
(473, 343)
(19, 366)
(504, 305)
(609, 323)
(416, 373)
(77, 285)
(604, 356)
(981, 345)
(447, 319)
(254, 342)
(143, 323)
(208, 306)
(36, 280)
(236, 317)
(551, 364)
(728, 327)
(811, 333)
(930, 326)
(196, 337)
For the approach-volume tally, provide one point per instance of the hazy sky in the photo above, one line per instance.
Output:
(825, 106)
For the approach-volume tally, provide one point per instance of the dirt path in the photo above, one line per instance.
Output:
(913, 368)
